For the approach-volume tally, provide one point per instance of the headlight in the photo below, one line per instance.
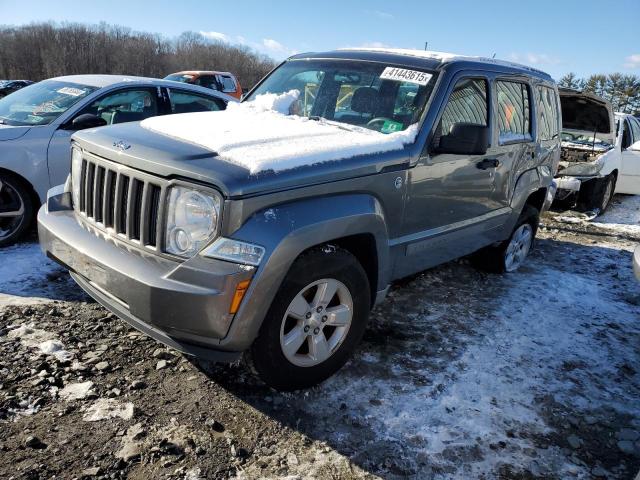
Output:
(76, 171)
(192, 219)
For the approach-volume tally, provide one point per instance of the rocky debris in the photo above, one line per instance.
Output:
(102, 366)
(162, 354)
(106, 408)
(34, 442)
(76, 391)
(161, 364)
(137, 385)
(91, 472)
(574, 441)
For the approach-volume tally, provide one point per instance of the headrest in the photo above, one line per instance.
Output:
(365, 100)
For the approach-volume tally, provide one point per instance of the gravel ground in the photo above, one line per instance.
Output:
(461, 375)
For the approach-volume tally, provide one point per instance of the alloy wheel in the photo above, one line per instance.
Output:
(11, 209)
(518, 247)
(316, 322)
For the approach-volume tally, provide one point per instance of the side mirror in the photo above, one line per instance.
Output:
(465, 139)
(635, 146)
(87, 120)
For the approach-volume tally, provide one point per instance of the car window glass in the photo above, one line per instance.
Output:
(373, 95)
(207, 81)
(635, 129)
(513, 112)
(626, 134)
(186, 102)
(467, 104)
(547, 113)
(124, 106)
(228, 85)
(41, 103)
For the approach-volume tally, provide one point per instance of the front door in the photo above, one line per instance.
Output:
(450, 193)
(629, 178)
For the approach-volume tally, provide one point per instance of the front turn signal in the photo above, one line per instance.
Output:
(241, 289)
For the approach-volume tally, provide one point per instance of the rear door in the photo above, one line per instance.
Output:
(629, 178)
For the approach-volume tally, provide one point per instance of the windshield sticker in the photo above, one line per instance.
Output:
(74, 92)
(390, 126)
(404, 75)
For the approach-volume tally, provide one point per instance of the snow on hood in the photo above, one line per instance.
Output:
(260, 135)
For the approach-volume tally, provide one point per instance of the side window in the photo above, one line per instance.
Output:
(547, 113)
(467, 104)
(635, 129)
(125, 106)
(514, 112)
(187, 102)
(228, 85)
(207, 81)
(626, 134)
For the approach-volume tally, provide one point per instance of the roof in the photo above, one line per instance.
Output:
(201, 72)
(420, 58)
(101, 81)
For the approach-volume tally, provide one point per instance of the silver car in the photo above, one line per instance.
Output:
(36, 124)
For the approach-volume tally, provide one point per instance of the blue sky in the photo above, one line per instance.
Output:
(553, 35)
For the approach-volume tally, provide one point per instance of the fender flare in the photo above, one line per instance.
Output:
(287, 230)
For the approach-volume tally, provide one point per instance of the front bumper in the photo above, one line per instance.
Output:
(183, 304)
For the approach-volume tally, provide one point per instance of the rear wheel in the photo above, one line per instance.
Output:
(16, 209)
(509, 255)
(315, 322)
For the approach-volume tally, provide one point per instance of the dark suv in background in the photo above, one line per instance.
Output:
(10, 86)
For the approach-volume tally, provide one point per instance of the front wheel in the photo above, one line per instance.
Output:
(315, 322)
(598, 193)
(16, 209)
(509, 255)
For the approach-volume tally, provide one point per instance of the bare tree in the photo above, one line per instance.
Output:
(43, 50)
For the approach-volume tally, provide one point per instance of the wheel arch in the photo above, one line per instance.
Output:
(26, 183)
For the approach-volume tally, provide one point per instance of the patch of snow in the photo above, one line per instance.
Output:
(55, 348)
(623, 215)
(76, 391)
(259, 137)
(106, 408)
(29, 335)
(27, 277)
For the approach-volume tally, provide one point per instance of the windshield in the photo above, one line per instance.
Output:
(378, 96)
(583, 139)
(41, 103)
(180, 77)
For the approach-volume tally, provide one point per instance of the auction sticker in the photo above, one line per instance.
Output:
(404, 75)
(74, 92)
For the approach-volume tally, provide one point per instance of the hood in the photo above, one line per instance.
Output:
(8, 132)
(261, 140)
(586, 112)
(165, 156)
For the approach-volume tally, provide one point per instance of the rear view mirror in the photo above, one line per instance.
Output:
(465, 139)
(87, 120)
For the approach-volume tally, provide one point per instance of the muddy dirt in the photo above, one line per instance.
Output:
(461, 374)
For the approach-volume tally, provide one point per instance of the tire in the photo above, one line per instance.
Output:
(495, 259)
(15, 197)
(293, 316)
(597, 194)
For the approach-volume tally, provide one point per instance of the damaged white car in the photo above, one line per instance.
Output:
(591, 168)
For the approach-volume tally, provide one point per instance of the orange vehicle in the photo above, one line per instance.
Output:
(224, 82)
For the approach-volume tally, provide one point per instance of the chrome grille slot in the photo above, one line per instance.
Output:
(122, 201)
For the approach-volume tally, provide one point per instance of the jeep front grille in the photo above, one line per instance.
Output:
(122, 201)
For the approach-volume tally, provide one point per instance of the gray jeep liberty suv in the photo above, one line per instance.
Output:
(272, 230)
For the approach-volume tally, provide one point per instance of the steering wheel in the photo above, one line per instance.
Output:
(376, 120)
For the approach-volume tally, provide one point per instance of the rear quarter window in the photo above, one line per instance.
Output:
(514, 112)
(548, 117)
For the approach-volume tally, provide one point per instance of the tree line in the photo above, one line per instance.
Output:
(623, 91)
(44, 50)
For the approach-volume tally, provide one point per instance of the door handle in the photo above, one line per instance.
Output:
(488, 163)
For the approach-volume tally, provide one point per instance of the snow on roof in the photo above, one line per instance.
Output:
(443, 57)
(260, 135)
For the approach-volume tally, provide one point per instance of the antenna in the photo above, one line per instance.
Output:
(426, 44)
(494, 55)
